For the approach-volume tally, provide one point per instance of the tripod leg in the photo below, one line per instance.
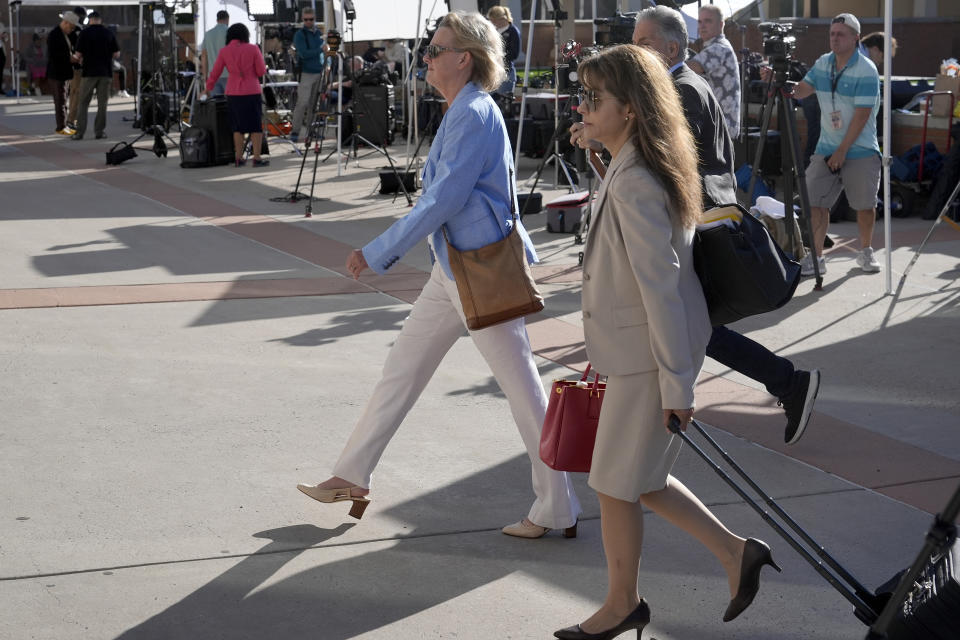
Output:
(758, 156)
(793, 140)
(543, 163)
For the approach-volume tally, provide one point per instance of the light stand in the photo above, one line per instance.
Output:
(14, 8)
(159, 147)
(354, 136)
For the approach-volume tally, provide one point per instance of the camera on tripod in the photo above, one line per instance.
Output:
(617, 29)
(779, 41)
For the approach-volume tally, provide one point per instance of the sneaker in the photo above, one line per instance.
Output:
(867, 261)
(260, 163)
(798, 404)
(806, 265)
(65, 131)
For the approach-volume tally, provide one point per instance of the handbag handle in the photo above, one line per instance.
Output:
(596, 380)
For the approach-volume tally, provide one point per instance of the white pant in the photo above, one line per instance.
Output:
(435, 323)
(306, 99)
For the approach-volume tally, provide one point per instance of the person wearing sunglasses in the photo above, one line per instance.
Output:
(311, 49)
(646, 326)
(664, 31)
(468, 191)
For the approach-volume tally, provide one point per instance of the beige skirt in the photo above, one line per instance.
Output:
(634, 452)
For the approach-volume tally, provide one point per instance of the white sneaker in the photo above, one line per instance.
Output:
(806, 265)
(867, 261)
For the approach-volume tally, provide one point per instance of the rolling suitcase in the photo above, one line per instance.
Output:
(919, 603)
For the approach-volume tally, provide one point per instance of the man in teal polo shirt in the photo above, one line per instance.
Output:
(848, 155)
(214, 40)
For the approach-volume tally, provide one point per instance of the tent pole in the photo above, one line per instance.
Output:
(887, 140)
(139, 81)
(13, 54)
(526, 83)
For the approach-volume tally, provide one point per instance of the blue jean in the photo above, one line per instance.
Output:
(752, 359)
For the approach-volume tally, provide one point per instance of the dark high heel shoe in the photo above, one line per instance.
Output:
(755, 554)
(638, 619)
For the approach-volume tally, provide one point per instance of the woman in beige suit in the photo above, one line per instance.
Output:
(646, 326)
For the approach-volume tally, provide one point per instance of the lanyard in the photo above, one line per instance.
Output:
(835, 80)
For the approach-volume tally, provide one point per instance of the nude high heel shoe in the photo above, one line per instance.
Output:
(337, 495)
(525, 529)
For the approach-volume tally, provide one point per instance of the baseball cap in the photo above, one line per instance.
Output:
(848, 19)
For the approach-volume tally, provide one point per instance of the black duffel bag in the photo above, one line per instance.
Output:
(120, 152)
(742, 270)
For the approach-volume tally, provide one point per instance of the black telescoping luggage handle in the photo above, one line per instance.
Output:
(867, 606)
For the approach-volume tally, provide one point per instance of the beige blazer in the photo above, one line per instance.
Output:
(643, 307)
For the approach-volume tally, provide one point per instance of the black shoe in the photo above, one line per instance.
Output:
(798, 404)
(755, 554)
(77, 136)
(260, 163)
(638, 619)
(101, 135)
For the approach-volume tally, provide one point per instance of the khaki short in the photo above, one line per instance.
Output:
(860, 177)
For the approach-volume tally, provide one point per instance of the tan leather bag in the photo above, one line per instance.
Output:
(494, 282)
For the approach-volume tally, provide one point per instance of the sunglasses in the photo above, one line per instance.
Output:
(588, 98)
(309, 20)
(433, 51)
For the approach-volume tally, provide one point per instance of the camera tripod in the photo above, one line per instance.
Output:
(778, 98)
(315, 135)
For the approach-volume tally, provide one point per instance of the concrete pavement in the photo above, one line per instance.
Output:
(177, 351)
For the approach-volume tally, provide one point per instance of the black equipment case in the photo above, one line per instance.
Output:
(212, 116)
(918, 603)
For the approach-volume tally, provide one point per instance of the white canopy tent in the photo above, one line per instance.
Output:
(386, 19)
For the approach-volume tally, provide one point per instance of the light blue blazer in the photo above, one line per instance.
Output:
(466, 186)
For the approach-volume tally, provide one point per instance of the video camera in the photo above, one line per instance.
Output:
(378, 74)
(779, 41)
(617, 29)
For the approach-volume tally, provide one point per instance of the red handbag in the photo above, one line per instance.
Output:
(570, 426)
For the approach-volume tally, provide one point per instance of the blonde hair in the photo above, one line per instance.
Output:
(638, 78)
(499, 12)
(477, 35)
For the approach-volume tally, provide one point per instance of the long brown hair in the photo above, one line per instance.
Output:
(638, 78)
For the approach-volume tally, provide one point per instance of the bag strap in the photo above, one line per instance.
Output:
(513, 212)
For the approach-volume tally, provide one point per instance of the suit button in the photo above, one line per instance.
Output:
(586, 315)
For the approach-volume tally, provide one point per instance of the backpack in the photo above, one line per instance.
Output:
(195, 148)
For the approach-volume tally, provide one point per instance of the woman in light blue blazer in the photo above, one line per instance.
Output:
(466, 188)
(646, 326)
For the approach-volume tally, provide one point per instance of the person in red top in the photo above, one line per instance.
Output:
(245, 63)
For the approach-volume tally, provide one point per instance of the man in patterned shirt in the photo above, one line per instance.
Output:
(717, 62)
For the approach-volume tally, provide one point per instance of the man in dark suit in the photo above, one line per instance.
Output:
(97, 47)
(663, 30)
